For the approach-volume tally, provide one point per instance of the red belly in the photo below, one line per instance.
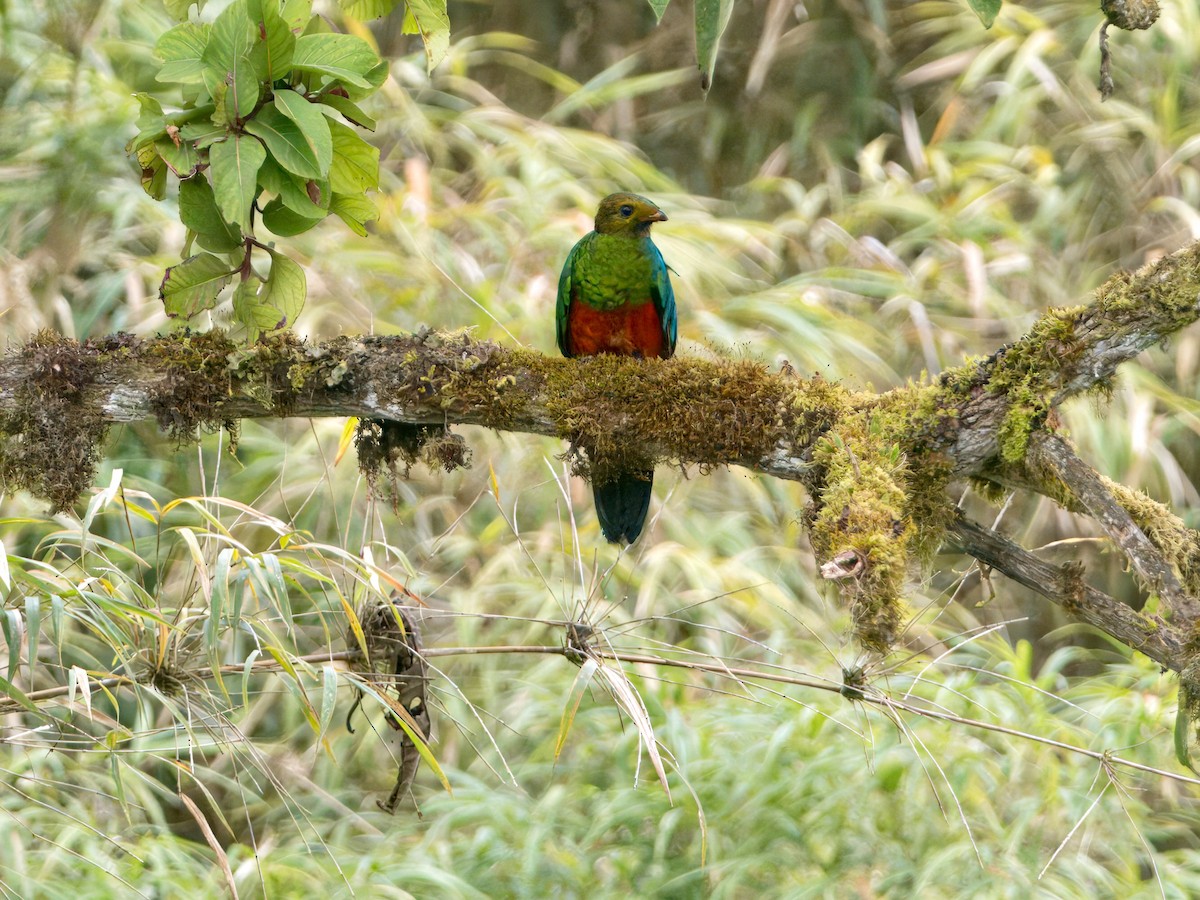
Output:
(627, 331)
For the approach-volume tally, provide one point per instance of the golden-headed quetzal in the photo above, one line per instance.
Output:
(615, 296)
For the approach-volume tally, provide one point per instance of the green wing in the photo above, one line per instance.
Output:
(664, 300)
(563, 306)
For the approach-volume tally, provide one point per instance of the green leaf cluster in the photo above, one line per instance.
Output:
(263, 133)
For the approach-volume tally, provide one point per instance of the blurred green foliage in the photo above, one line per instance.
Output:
(868, 192)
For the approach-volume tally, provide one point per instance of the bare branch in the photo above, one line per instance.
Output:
(1157, 576)
(1064, 586)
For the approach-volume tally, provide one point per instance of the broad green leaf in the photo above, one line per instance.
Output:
(287, 287)
(58, 616)
(154, 174)
(369, 9)
(151, 111)
(198, 211)
(287, 143)
(245, 306)
(342, 57)
(375, 78)
(243, 93)
(283, 221)
(659, 7)
(235, 164)
(313, 125)
(296, 14)
(433, 24)
(272, 53)
(317, 25)
(203, 134)
(182, 51)
(178, 9)
(151, 123)
(292, 190)
(182, 159)
(987, 10)
(193, 285)
(227, 62)
(218, 90)
(355, 162)
(355, 210)
(711, 18)
(268, 306)
(220, 599)
(350, 111)
(230, 39)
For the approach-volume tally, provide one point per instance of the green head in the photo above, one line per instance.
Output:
(627, 214)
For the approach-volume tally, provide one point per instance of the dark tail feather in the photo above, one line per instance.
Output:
(621, 505)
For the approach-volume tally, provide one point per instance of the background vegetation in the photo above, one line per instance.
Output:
(870, 191)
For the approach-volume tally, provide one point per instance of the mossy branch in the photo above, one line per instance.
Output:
(876, 465)
(1055, 456)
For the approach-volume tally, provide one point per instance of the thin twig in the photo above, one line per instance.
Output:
(876, 699)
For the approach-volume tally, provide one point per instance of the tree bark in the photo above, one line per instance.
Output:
(876, 465)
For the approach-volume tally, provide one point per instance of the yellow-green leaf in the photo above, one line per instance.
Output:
(182, 51)
(355, 210)
(355, 162)
(193, 285)
(434, 26)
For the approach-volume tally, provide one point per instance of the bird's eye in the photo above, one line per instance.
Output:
(626, 211)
